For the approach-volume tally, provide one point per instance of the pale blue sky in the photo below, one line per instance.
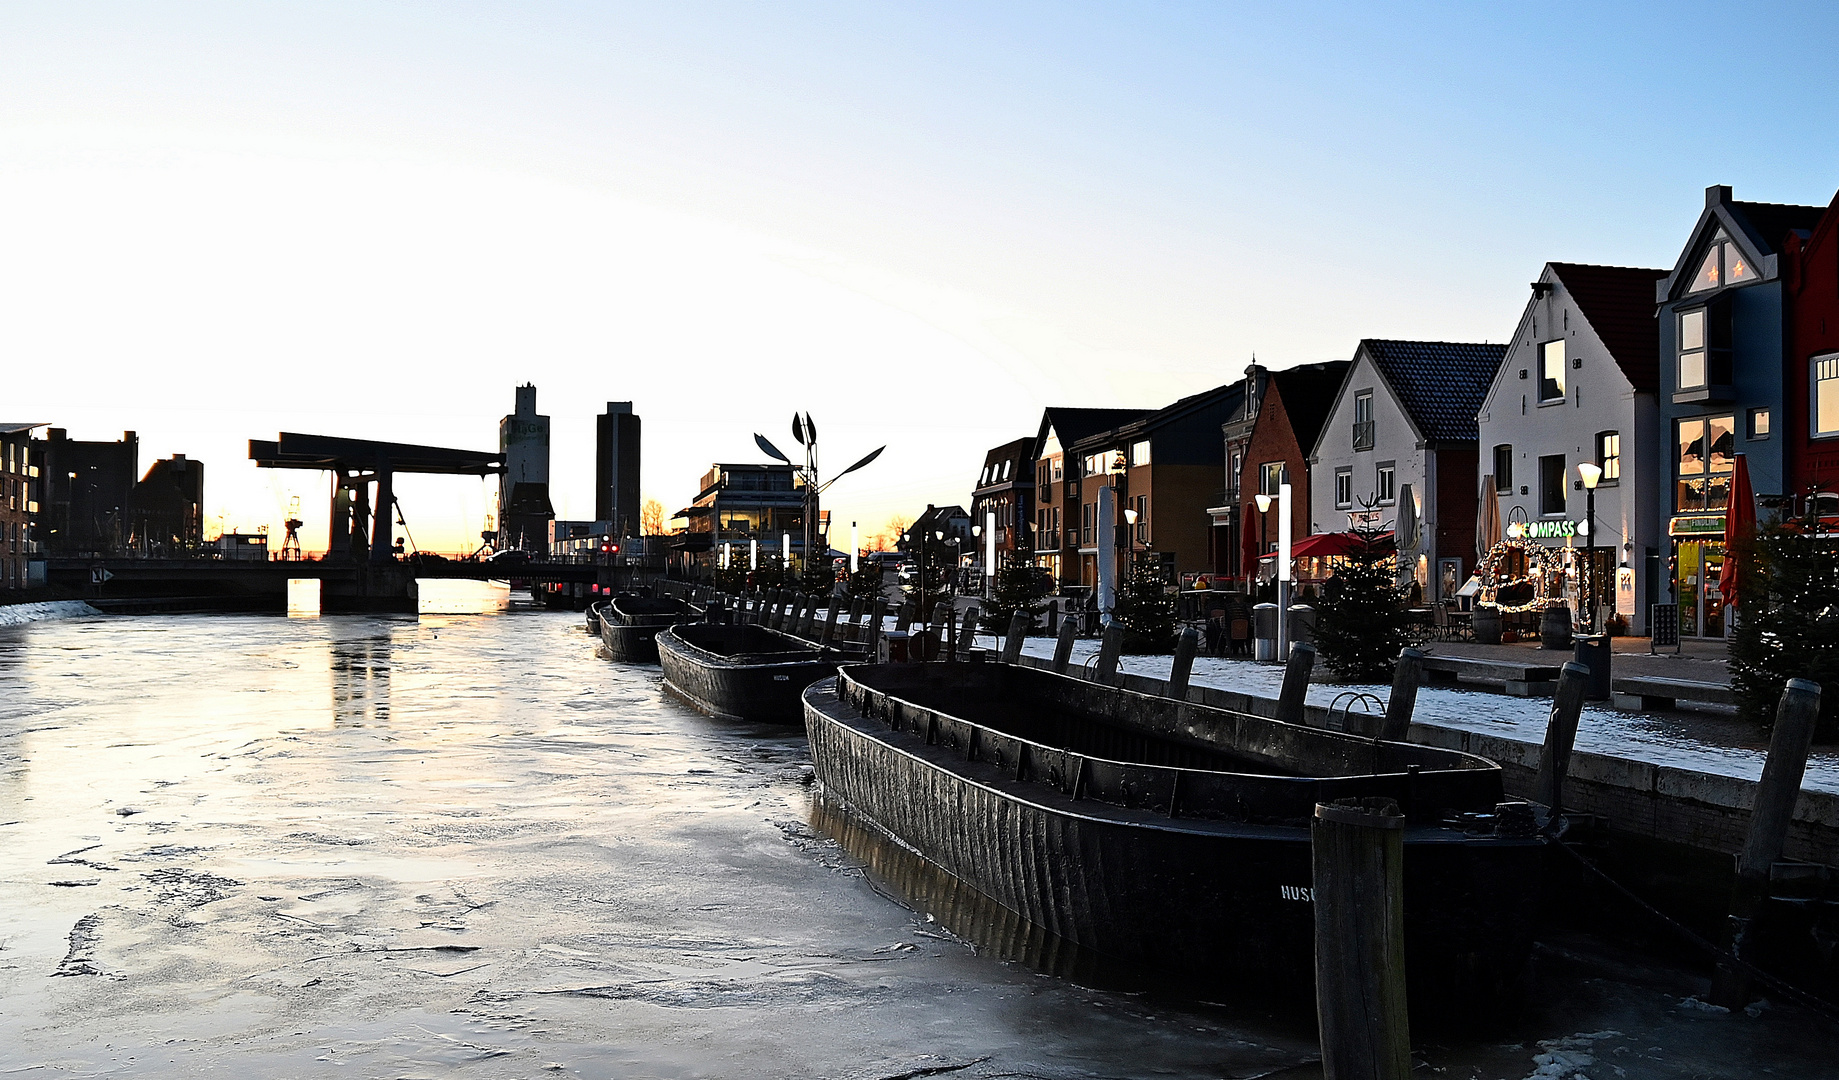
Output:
(921, 223)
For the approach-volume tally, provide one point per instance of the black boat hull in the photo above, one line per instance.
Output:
(1224, 907)
(629, 626)
(755, 685)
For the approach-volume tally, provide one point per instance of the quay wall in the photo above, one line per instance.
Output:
(1702, 811)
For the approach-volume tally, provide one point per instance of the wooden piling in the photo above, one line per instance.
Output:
(1358, 895)
(1406, 678)
(903, 618)
(1108, 649)
(871, 630)
(967, 634)
(1771, 812)
(1012, 641)
(1295, 692)
(830, 614)
(1183, 664)
(1063, 648)
(1560, 736)
(855, 618)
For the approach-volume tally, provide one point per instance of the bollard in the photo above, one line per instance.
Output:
(1771, 813)
(1593, 652)
(967, 635)
(1063, 648)
(1406, 678)
(1358, 854)
(1012, 641)
(855, 618)
(1560, 735)
(1108, 649)
(830, 615)
(1264, 632)
(903, 617)
(871, 630)
(1295, 692)
(1183, 665)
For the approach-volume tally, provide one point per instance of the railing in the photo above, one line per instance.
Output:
(1363, 435)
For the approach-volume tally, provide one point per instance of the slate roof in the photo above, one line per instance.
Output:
(1308, 392)
(1619, 302)
(1440, 384)
(1770, 222)
(1073, 425)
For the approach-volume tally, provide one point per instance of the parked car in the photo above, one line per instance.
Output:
(509, 555)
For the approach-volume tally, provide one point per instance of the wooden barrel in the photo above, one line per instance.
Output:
(1555, 627)
(1487, 624)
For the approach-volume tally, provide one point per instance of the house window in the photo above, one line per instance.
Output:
(1344, 488)
(1236, 462)
(1703, 463)
(1139, 452)
(1503, 469)
(1723, 264)
(1551, 484)
(1609, 456)
(1759, 424)
(1270, 477)
(1551, 371)
(1825, 396)
(1087, 513)
(1041, 473)
(1385, 490)
(1059, 469)
(1692, 349)
(1363, 420)
(1143, 518)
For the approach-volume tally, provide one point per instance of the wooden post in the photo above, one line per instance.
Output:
(871, 630)
(1012, 641)
(830, 615)
(1295, 692)
(1108, 649)
(1560, 736)
(1183, 664)
(1358, 897)
(1063, 648)
(903, 617)
(1406, 678)
(855, 618)
(967, 635)
(807, 615)
(1771, 812)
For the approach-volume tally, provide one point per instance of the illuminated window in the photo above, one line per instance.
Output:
(1702, 463)
(1270, 477)
(1609, 456)
(1760, 423)
(1825, 396)
(1139, 453)
(1551, 371)
(1724, 264)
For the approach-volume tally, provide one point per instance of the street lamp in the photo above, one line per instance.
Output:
(1590, 473)
(1264, 539)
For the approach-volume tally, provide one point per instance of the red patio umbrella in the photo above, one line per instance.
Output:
(1248, 542)
(1739, 525)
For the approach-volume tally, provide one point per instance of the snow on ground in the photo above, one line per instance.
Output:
(20, 614)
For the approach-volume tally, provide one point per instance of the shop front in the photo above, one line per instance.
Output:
(1698, 561)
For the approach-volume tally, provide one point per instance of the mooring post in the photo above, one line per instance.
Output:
(1770, 815)
(1406, 678)
(871, 630)
(1018, 632)
(712, 610)
(1358, 897)
(903, 617)
(967, 635)
(855, 617)
(1560, 736)
(1295, 692)
(1108, 649)
(1063, 648)
(1182, 665)
(807, 615)
(830, 614)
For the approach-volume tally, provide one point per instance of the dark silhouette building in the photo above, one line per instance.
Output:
(616, 469)
(167, 509)
(85, 492)
(524, 509)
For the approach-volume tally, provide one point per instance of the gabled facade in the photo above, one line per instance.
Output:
(1058, 483)
(1723, 351)
(1165, 467)
(1810, 431)
(1226, 520)
(1578, 384)
(1405, 414)
(1005, 489)
(1288, 418)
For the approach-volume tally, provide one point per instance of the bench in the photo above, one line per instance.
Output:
(1642, 693)
(1519, 680)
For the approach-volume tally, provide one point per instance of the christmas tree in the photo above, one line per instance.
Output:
(867, 581)
(1788, 619)
(1145, 607)
(1361, 619)
(1019, 586)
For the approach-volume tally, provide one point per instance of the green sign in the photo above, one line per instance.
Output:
(1541, 530)
(1697, 525)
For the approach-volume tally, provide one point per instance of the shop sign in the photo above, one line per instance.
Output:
(1541, 530)
(1696, 525)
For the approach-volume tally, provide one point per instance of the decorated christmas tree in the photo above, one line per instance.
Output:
(1019, 586)
(866, 582)
(1787, 619)
(1145, 607)
(1361, 619)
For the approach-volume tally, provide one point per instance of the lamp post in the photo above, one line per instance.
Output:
(1264, 537)
(1590, 473)
(1283, 571)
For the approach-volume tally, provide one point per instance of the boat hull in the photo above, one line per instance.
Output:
(629, 626)
(742, 672)
(1224, 907)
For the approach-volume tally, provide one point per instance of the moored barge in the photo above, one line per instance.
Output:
(1171, 836)
(629, 625)
(741, 671)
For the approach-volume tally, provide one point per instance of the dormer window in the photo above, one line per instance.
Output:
(1724, 264)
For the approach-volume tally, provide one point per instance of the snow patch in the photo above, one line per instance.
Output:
(21, 614)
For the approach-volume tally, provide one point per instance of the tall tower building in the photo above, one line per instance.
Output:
(616, 468)
(524, 509)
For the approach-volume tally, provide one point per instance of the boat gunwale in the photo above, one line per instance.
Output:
(810, 653)
(684, 612)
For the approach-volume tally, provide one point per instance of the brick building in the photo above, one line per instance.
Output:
(1288, 415)
(1810, 432)
(18, 504)
(1005, 489)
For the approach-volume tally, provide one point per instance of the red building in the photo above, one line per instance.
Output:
(1811, 380)
(1295, 405)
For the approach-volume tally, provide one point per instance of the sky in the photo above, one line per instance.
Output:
(919, 223)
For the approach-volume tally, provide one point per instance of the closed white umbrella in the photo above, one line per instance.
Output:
(1405, 530)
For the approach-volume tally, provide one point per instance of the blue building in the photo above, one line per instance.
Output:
(1722, 330)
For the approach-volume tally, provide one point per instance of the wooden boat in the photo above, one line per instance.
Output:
(629, 624)
(743, 671)
(1173, 836)
(593, 617)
